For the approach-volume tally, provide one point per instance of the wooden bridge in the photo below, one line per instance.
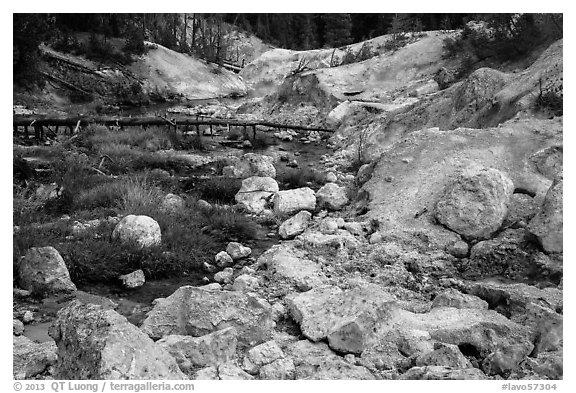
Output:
(73, 124)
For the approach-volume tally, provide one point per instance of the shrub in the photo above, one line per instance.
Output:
(219, 189)
(262, 141)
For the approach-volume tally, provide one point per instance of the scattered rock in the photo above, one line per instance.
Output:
(172, 203)
(476, 203)
(196, 312)
(317, 361)
(459, 249)
(28, 316)
(251, 164)
(133, 280)
(227, 371)
(443, 373)
(209, 350)
(223, 259)
(30, 358)
(141, 229)
(17, 327)
(281, 369)
(288, 265)
(331, 177)
(292, 201)
(261, 355)
(246, 283)
(237, 250)
(332, 196)
(454, 298)
(447, 355)
(203, 205)
(94, 343)
(295, 225)
(547, 225)
(43, 271)
(225, 276)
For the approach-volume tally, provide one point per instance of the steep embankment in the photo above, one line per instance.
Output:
(167, 73)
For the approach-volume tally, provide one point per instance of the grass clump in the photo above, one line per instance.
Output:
(229, 223)
(219, 189)
(303, 177)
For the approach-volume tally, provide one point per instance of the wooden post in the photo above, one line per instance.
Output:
(254, 132)
(26, 132)
(211, 132)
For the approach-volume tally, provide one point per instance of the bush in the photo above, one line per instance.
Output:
(262, 141)
(219, 189)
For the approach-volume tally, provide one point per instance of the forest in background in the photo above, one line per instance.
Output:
(205, 35)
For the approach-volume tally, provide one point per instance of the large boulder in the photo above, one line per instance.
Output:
(295, 225)
(210, 350)
(251, 164)
(197, 312)
(43, 271)
(287, 265)
(143, 230)
(261, 355)
(476, 203)
(30, 358)
(256, 192)
(292, 201)
(421, 164)
(331, 196)
(94, 343)
(443, 373)
(345, 318)
(547, 225)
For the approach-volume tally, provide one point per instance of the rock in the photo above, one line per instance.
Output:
(246, 283)
(159, 172)
(293, 164)
(355, 228)
(294, 225)
(20, 293)
(445, 77)
(504, 360)
(28, 316)
(251, 164)
(226, 371)
(476, 203)
(223, 259)
(364, 173)
(133, 280)
(339, 239)
(331, 177)
(332, 196)
(340, 112)
(196, 312)
(459, 249)
(288, 265)
(237, 250)
(547, 225)
(317, 361)
(208, 267)
(43, 271)
(225, 276)
(48, 192)
(292, 201)
(30, 358)
(281, 369)
(261, 355)
(211, 287)
(447, 355)
(143, 230)
(430, 87)
(346, 319)
(94, 343)
(210, 350)
(454, 298)
(246, 144)
(254, 202)
(172, 203)
(203, 205)
(443, 373)
(17, 327)
(504, 255)
(329, 225)
(521, 210)
(258, 183)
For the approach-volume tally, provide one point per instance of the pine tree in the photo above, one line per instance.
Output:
(337, 30)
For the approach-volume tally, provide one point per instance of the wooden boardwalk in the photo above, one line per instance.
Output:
(73, 124)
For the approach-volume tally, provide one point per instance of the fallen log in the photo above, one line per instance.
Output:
(63, 82)
(22, 120)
